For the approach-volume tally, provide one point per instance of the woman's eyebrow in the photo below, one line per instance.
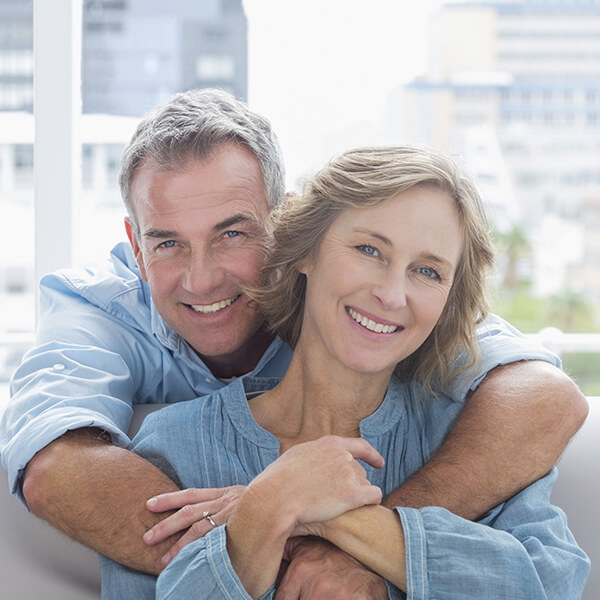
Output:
(438, 259)
(424, 255)
(374, 234)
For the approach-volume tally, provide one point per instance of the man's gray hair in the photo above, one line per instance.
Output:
(190, 126)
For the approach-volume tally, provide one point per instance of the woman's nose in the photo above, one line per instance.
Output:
(391, 290)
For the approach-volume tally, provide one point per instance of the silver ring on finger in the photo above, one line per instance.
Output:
(206, 515)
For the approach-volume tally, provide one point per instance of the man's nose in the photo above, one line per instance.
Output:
(203, 273)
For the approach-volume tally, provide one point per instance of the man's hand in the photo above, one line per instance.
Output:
(191, 504)
(319, 570)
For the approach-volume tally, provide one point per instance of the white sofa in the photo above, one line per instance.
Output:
(38, 562)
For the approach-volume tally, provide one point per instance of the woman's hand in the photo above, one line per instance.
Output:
(192, 504)
(311, 482)
(319, 480)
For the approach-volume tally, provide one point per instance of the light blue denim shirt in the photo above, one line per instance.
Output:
(520, 549)
(101, 347)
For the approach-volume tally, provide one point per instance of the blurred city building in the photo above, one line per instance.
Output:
(513, 88)
(135, 53)
(99, 215)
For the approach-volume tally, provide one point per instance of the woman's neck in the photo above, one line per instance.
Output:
(318, 397)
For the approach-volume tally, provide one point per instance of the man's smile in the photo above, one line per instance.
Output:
(214, 307)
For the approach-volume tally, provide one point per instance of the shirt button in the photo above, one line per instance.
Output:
(58, 367)
(207, 379)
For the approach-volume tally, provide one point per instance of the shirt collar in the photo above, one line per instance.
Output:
(171, 340)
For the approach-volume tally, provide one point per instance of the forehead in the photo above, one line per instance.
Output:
(228, 181)
(420, 219)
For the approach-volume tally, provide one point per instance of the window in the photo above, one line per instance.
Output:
(509, 101)
(215, 67)
(23, 164)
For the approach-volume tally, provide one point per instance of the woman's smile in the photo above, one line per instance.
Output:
(372, 325)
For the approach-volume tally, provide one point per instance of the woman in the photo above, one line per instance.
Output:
(376, 278)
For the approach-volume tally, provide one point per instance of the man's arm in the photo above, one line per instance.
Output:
(96, 493)
(512, 431)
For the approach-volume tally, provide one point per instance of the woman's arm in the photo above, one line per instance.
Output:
(374, 536)
(521, 549)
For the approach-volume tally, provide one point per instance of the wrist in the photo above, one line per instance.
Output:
(257, 531)
(267, 511)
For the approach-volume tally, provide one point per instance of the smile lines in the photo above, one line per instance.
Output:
(370, 324)
(208, 309)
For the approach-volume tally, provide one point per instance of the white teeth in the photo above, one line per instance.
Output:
(214, 307)
(371, 325)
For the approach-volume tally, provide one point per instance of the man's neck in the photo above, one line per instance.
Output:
(244, 359)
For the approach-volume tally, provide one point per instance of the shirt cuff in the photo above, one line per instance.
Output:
(204, 567)
(417, 582)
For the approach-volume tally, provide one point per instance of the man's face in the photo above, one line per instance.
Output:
(201, 235)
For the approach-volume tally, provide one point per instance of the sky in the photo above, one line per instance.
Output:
(321, 70)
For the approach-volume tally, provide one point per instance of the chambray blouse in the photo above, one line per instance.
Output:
(521, 549)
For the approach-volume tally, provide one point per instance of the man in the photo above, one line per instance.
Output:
(168, 320)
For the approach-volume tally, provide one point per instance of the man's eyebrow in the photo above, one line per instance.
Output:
(160, 234)
(225, 224)
(234, 220)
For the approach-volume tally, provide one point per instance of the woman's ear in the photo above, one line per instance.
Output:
(306, 265)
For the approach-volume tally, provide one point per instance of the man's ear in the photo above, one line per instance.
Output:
(135, 246)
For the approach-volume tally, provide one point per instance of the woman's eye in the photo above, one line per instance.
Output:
(429, 272)
(370, 250)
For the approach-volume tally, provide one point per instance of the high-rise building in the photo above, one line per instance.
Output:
(16, 55)
(513, 88)
(135, 53)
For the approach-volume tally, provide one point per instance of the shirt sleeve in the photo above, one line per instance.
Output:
(79, 374)
(521, 549)
(499, 344)
(203, 570)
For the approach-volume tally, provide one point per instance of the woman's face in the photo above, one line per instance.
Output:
(380, 279)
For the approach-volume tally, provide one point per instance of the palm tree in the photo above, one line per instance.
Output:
(514, 245)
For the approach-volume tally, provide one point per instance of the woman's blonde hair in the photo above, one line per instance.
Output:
(366, 177)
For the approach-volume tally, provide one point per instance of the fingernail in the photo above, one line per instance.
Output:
(148, 535)
(152, 502)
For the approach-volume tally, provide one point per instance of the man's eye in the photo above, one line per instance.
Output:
(167, 244)
(367, 249)
(232, 234)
